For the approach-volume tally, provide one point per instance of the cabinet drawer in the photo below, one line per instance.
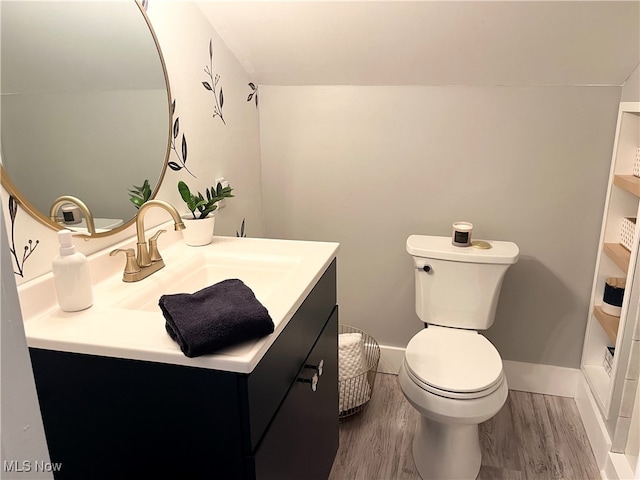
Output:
(268, 384)
(302, 440)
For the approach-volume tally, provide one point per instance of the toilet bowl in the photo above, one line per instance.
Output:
(451, 374)
(446, 443)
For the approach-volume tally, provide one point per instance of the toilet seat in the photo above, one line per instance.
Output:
(454, 363)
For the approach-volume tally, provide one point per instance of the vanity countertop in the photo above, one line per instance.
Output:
(125, 320)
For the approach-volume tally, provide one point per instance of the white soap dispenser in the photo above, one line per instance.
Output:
(71, 275)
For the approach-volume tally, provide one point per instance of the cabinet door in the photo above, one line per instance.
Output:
(303, 438)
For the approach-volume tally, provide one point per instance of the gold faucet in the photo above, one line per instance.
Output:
(147, 260)
(53, 212)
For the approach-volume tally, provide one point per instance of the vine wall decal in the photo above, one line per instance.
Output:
(28, 249)
(241, 233)
(213, 84)
(182, 154)
(253, 94)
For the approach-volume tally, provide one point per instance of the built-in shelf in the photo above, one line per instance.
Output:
(614, 260)
(609, 323)
(629, 183)
(620, 255)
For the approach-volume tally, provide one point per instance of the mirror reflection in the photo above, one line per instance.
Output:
(84, 107)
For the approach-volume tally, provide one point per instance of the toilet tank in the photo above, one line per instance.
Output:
(462, 286)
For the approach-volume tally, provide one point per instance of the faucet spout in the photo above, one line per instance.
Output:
(53, 212)
(143, 252)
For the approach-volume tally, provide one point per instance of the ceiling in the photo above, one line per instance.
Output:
(366, 42)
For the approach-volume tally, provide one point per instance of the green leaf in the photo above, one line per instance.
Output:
(185, 193)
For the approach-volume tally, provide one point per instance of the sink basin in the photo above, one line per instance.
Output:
(264, 274)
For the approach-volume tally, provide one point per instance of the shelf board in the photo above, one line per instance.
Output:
(620, 255)
(609, 323)
(628, 183)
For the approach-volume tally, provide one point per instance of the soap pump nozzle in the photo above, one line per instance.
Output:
(66, 243)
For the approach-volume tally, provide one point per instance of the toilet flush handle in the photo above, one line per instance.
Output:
(427, 268)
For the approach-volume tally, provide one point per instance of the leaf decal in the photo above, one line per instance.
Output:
(181, 159)
(13, 208)
(253, 94)
(241, 232)
(28, 249)
(176, 128)
(212, 85)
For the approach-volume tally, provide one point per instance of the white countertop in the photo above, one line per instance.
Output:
(126, 322)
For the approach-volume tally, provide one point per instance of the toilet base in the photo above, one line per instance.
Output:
(446, 451)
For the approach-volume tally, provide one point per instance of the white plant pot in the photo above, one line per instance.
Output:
(198, 232)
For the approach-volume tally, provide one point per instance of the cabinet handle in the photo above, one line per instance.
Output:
(318, 368)
(313, 381)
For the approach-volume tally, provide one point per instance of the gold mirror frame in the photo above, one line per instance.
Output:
(13, 190)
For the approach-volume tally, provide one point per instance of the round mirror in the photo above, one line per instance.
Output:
(85, 109)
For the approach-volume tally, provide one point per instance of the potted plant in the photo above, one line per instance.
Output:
(200, 221)
(141, 194)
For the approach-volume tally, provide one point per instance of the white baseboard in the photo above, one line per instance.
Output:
(538, 378)
(593, 424)
(390, 359)
(617, 468)
(527, 377)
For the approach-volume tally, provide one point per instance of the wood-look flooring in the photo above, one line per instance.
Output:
(532, 437)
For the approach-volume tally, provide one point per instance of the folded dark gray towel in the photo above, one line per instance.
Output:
(215, 317)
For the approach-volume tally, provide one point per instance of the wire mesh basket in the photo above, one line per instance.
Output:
(356, 376)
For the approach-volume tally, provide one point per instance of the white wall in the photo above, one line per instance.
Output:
(368, 166)
(23, 441)
(230, 149)
(215, 149)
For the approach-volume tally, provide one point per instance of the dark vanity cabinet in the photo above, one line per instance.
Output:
(114, 418)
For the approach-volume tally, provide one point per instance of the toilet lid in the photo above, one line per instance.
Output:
(454, 360)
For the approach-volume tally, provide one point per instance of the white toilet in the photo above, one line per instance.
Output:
(451, 373)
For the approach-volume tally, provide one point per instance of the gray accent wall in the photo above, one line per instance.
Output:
(369, 166)
(631, 89)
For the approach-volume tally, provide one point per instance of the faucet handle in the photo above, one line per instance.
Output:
(154, 254)
(131, 266)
